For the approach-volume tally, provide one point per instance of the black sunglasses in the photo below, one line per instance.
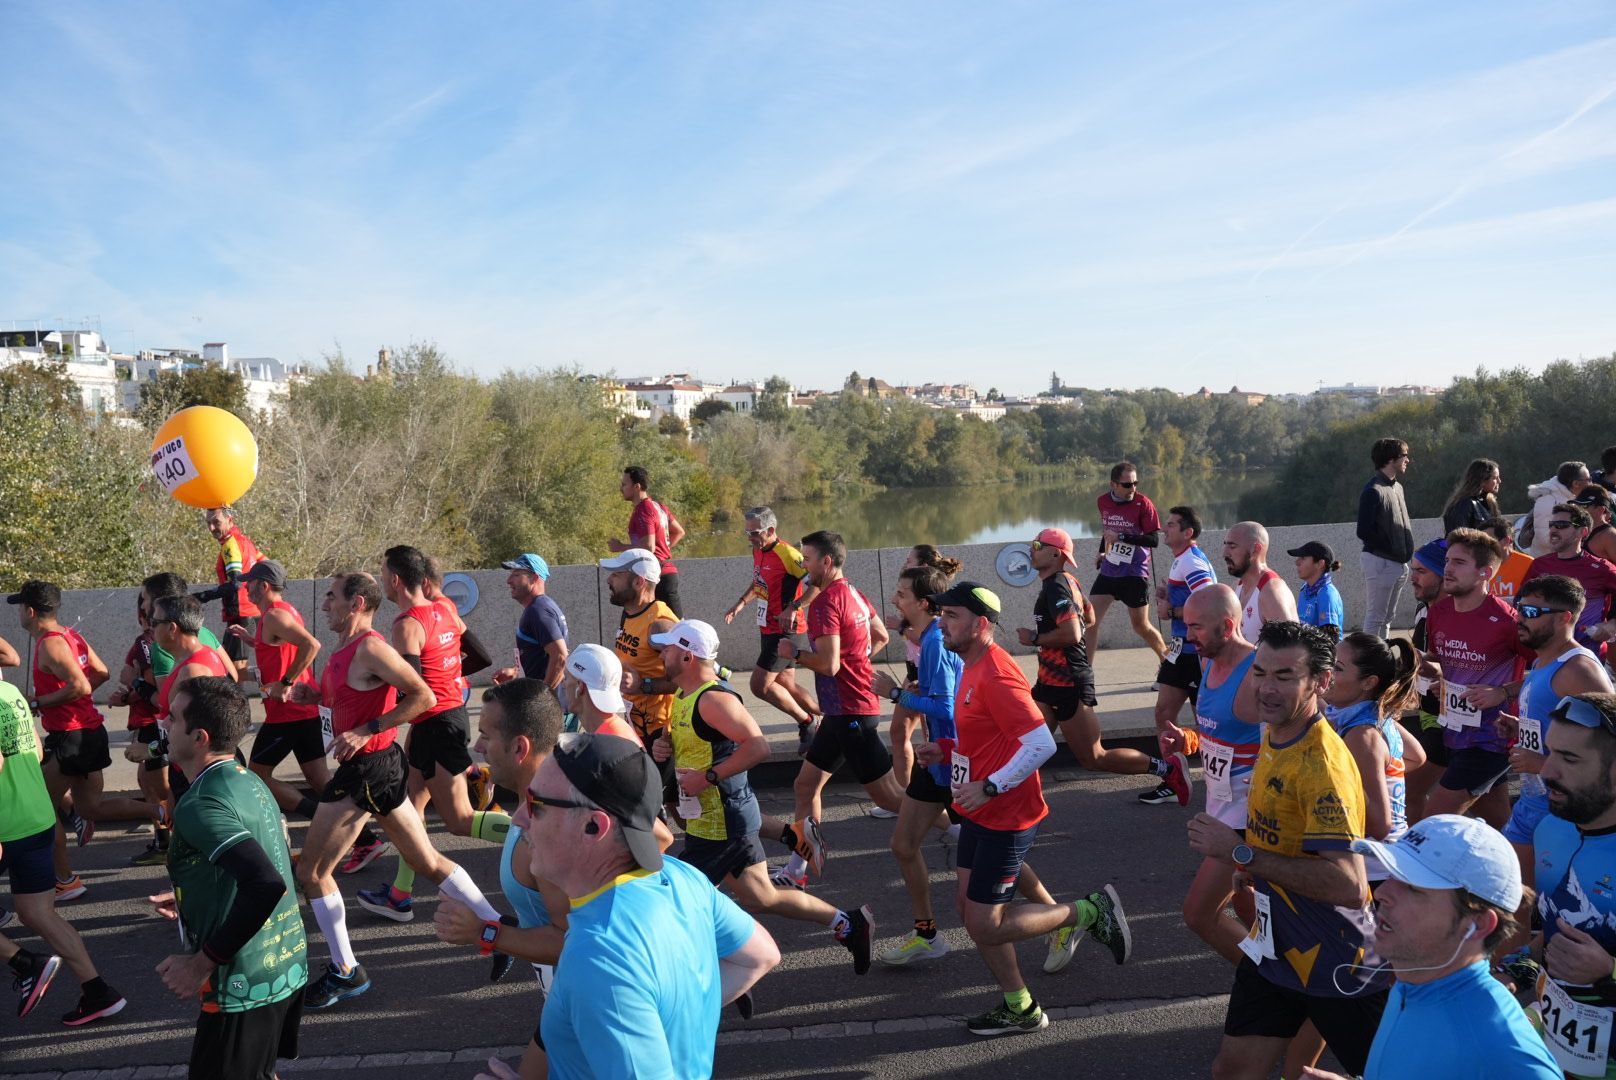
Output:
(1126, 483)
(536, 801)
(1533, 611)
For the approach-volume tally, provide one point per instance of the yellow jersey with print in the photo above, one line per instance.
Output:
(647, 712)
(729, 809)
(1307, 798)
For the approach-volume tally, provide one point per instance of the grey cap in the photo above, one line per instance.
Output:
(268, 571)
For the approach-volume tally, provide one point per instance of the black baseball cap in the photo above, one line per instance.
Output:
(974, 597)
(1594, 495)
(619, 777)
(39, 595)
(1313, 549)
(268, 571)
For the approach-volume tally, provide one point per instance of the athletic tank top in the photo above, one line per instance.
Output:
(1367, 714)
(203, 655)
(1250, 614)
(728, 809)
(76, 715)
(1229, 746)
(350, 708)
(647, 712)
(452, 613)
(529, 903)
(440, 656)
(273, 663)
(1537, 699)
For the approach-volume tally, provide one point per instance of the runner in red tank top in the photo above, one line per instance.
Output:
(285, 651)
(428, 635)
(367, 693)
(151, 771)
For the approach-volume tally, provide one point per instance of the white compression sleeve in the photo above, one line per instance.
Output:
(1037, 746)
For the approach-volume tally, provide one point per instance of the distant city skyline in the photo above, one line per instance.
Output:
(1163, 195)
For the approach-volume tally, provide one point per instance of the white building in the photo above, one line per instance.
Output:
(265, 379)
(742, 397)
(669, 398)
(1352, 390)
(82, 355)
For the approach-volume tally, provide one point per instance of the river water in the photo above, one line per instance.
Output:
(989, 513)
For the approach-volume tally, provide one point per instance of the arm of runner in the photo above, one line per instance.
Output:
(879, 634)
(558, 662)
(1149, 539)
(415, 697)
(457, 924)
(825, 658)
(736, 608)
(741, 967)
(56, 657)
(473, 656)
(1414, 755)
(285, 628)
(9, 656)
(725, 714)
(676, 531)
(1368, 749)
(1276, 604)
(1037, 746)
(1332, 877)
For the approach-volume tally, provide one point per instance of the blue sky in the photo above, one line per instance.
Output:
(1272, 195)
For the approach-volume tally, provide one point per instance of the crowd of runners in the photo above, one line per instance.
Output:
(1364, 868)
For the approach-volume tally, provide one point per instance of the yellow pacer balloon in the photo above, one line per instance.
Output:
(205, 457)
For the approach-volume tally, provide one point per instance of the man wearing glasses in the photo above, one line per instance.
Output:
(1129, 528)
(653, 950)
(1388, 538)
(1568, 527)
(1546, 615)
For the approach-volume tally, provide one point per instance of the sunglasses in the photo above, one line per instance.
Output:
(1561, 524)
(536, 801)
(1534, 611)
(1126, 483)
(756, 532)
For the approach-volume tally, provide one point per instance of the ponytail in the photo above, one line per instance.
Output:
(1391, 664)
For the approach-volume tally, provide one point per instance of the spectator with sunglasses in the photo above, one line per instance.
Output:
(1130, 527)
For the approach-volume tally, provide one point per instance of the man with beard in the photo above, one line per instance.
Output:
(1575, 860)
(1264, 596)
(1425, 576)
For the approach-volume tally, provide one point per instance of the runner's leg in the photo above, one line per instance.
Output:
(1140, 617)
(1209, 893)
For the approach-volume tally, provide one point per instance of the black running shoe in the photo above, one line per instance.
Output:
(858, 936)
(1003, 1020)
(94, 1007)
(503, 962)
(1156, 796)
(1111, 924)
(334, 986)
(32, 986)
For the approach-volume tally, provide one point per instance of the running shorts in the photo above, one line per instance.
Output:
(1183, 673)
(1064, 700)
(146, 736)
(719, 859)
(244, 1045)
(1474, 770)
(28, 861)
(856, 739)
(236, 647)
(78, 753)
(1436, 750)
(441, 740)
(769, 658)
(374, 782)
(1130, 590)
(1258, 1007)
(301, 738)
(994, 858)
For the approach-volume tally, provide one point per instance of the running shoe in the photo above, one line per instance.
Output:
(32, 986)
(5, 918)
(805, 736)
(914, 947)
(70, 890)
(1003, 1020)
(478, 788)
(334, 986)
(503, 962)
(1161, 793)
(744, 1006)
(783, 880)
(154, 855)
(82, 828)
(1178, 778)
(1062, 944)
(94, 1006)
(858, 936)
(363, 855)
(380, 902)
(883, 813)
(810, 843)
(1111, 924)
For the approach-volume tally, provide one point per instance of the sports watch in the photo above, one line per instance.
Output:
(712, 777)
(374, 726)
(1242, 855)
(989, 788)
(894, 694)
(489, 932)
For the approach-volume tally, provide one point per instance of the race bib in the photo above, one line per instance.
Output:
(1423, 685)
(1120, 554)
(1457, 713)
(1175, 650)
(1259, 943)
(1217, 761)
(1578, 1035)
(689, 806)
(325, 728)
(1531, 735)
(959, 773)
(762, 613)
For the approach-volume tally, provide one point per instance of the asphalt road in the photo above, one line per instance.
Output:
(1158, 1016)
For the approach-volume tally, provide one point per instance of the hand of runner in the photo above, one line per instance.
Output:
(135, 752)
(506, 674)
(184, 974)
(1171, 739)
(1575, 957)
(1509, 725)
(498, 1070)
(786, 620)
(1211, 837)
(929, 753)
(1525, 761)
(457, 924)
(787, 649)
(163, 904)
(237, 630)
(119, 696)
(275, 691)
(882, 684)
(348, 744)
(971, 796)
(1494, 695)
(661, 748)
(729, 616)
(1603, 631)
(304, 694)
(691, 781)
(1310, 1073)
(1026, 637)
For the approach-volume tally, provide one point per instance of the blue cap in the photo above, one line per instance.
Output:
(1433, 556)
(529, 562)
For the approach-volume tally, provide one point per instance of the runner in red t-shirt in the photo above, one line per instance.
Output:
(843, 632)
(1001, 741)
(367, 693)
(653, 527)
(774, 600)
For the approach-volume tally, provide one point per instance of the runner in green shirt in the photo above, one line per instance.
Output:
(27, 829)
(246, 957)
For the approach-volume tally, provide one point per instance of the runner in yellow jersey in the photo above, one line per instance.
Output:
(631, 585)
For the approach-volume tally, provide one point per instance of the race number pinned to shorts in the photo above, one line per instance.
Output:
(1175, 650)
(1217, 761)
(1120, 554)
(1458, 713)
(326, 732)
(172, 464)
(1531, 735)
(959, 773)
(762, 607)
(1259, 943)
(1578, 1035)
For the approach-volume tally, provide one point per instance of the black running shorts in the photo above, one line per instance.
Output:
(1259, 1007)
(1183, 673)
(78, 753)
(1474, 770)
(856, 739)
(719, 859)
(1132, 591)
(667, 591)
(146, 736)
(244, 1045)
(441, 740)
(1064, 700)
(373, 782)
(301, 738)
(769, 658)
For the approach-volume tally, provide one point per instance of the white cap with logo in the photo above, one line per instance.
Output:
(692, 635)
(601, 672)
(1448, 851)
(638, 560)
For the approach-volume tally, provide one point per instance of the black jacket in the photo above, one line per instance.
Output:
(1383, 523)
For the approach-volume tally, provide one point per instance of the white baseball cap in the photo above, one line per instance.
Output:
(601, 672)
(1448, 851)
(639, 560)
(691, 634)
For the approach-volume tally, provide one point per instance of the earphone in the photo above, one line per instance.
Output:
(1470, 932)
(592, 828)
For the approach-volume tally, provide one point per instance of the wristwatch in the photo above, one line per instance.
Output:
(894, 694)
(712, 777)
(989, 788)
(645, 687)
(490, 931)
(1242, 855)
(374, 726)
(286, 680)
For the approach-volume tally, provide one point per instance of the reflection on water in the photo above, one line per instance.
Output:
(975, 515)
